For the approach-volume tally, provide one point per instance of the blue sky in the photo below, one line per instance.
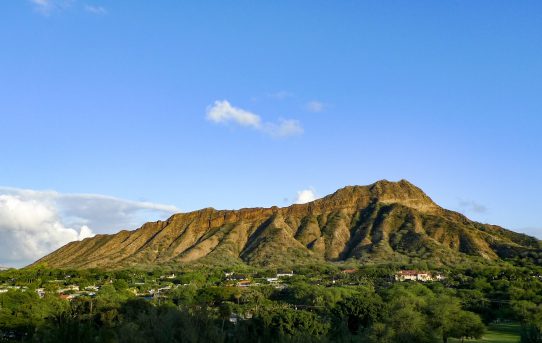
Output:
(115, 98)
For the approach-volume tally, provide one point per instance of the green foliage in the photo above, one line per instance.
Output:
(360, 311)
(120, 284)
(289, 322)
(319, 304)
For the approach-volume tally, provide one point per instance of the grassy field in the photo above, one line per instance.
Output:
(498, 333)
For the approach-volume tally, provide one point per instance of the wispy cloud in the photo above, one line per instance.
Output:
(34, 223)
(98, 10)
(315, 106)
(48, 7)
(222, 112)
(533, 231)
(472, 206)
(284, 128)
(42, 3)
(305, 196)
(280, 95)
(43, 6)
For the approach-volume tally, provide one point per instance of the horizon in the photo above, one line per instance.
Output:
(116, 114)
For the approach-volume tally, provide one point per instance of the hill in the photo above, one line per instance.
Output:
(385, 221)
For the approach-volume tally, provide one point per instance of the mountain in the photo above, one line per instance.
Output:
(385, 221)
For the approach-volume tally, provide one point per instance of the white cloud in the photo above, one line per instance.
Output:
(30, 229)
(98, 10)
(34, 223)
(284, 128)
(305, 196)
(223, 112)
(315, 106)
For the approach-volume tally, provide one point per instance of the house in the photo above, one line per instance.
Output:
(164, 289)
(285, 274)
(72, 288)
(235, 318)
(66, 296)
(238, 277)
(41, 292)
(416, 275)
(243, 283)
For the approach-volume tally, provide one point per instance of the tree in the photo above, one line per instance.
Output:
(531, 331)
(447, 317)
(359, 311)
(224, 311)
(466, 325)
(380, 333)
(120, 284)
(184, 295)
(289, 322)
(409, 326)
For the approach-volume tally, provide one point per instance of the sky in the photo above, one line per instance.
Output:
(113, 113)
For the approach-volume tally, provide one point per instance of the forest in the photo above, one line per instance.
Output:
(308, 303)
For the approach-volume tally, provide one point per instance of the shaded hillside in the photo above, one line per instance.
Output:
(385, 221)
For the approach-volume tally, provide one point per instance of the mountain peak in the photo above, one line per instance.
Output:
(402, 192)
(384, 221)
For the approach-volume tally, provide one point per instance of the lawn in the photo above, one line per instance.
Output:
(498, 333)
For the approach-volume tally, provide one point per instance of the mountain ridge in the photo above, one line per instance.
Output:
(384, 221)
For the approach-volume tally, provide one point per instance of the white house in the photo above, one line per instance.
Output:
(416, 275)
(290, 274)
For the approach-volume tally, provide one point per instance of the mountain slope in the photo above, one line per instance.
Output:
(385, 221)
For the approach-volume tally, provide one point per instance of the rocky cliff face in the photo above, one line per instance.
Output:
(385, 221)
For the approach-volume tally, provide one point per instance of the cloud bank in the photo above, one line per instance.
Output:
(222, 112)
(35, 223)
